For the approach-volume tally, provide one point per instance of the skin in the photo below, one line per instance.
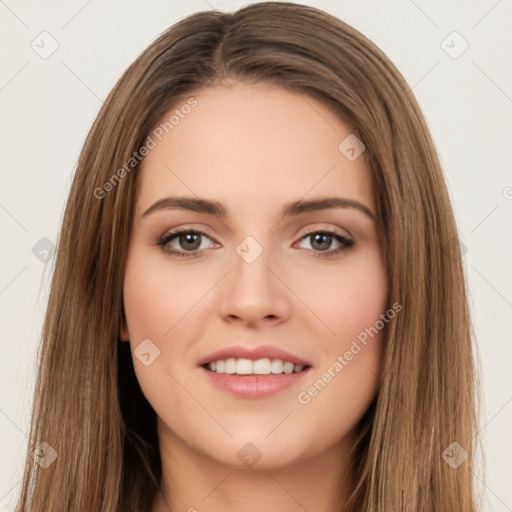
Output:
(254, 148)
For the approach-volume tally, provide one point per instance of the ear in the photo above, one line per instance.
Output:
(123, 333)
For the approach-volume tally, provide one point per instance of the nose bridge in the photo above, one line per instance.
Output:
(250, 250)
(254, 292)
(252, 261)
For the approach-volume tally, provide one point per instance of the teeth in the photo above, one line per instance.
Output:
(248, 367)
(230, 366)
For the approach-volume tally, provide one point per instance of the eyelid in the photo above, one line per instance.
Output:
(331, 229)
(186, 228)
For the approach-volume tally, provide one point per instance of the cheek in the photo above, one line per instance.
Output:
(350, 353)
(156, 302)
(348, 298)
(156, 296)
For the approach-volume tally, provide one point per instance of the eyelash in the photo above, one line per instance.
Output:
(347, 244)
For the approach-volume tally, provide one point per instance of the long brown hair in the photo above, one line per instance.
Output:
(88, 406)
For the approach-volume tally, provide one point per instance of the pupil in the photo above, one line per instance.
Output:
(187, 238)
(324, 245)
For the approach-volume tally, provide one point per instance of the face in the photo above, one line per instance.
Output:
(255, 274)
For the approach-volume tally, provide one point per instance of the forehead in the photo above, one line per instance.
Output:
(255, 146)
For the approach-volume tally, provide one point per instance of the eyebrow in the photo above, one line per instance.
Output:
(291, 209)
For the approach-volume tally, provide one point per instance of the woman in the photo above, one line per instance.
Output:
(258, 300)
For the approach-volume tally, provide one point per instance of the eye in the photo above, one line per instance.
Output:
(321, 241)
(188, 241)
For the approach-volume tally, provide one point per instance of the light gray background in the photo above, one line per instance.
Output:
(47, 106)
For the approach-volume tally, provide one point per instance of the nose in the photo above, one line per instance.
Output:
(254, 292)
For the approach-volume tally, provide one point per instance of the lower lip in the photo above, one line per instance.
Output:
(254, 386)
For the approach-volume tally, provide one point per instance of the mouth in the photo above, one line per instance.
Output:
(253, 372)
(254, 379)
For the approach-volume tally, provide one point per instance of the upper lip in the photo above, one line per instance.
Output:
(253, 353)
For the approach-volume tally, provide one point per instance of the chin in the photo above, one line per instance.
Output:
(259, 452)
